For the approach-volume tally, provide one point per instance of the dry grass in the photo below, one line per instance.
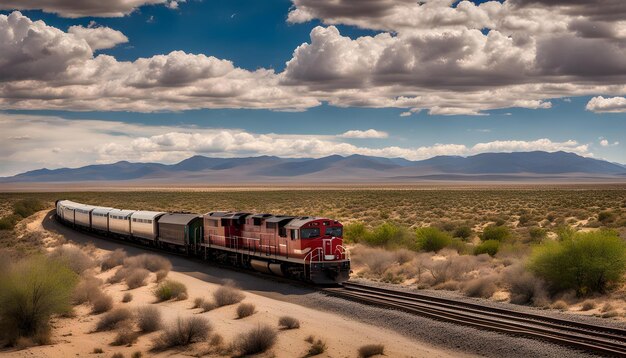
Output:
(101, 303)
(483, 287)
(136, 278)
(170, 289)
(149, 319)
(254, 341)
(183, 332)
(371, 350)
(318, 346)
(113, 319)
(150, 262)
(127, 297)
(288, 322)
(198, 302)
(125, 336)
(113, 259)
(245, 310)
(86, 290)
(588, 305)
(227, 294)
(74, 257)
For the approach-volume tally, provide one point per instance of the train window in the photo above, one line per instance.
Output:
(310, 233)
(257, 221)
(334, 231)
(294, 234)
(282, 232)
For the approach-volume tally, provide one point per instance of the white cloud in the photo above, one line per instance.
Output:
(98, 38)
(405, 114)
(607, 105)
(59, 142)
(79, 8)
(604, 143)
(370, 133)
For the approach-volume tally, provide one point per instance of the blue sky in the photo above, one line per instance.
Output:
(257, 35)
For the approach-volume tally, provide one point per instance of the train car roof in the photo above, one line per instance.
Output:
(151, 215)
(301, 221)
(101, 210)
(218, 214)
(261, 216)
(121, 212)
(178, 219)
(279, 218)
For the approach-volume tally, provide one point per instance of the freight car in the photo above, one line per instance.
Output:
(305, 248)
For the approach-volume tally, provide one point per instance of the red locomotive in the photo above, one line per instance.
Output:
(305, 248)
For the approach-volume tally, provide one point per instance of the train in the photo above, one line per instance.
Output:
(304, 248)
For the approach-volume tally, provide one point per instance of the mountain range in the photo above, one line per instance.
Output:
(522, 166)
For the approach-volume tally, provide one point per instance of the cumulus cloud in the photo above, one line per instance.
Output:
(600, 104)
(370, 133)
(98, 38)
(43, 67)
(80, 8)
(59, 142)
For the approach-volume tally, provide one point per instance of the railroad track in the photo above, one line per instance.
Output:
(602, 340)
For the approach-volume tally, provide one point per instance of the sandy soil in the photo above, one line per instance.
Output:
(73, 337)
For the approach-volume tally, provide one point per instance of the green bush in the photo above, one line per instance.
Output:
(586, 262)
(170, 289)
(383, 234)
(606, 217)
(27, 207)
(8, 222)
(31, 291)
(432, 239)
(354, 232)
(487, 247)
(497, 233)
(463, 232)
(537, 233)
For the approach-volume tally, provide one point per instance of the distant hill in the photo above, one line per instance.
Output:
(487, 166)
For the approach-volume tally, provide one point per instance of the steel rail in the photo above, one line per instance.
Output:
(598, 339)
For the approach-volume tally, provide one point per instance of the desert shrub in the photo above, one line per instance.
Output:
(197, 302)
(354, 232)
(497, 233)
(208, 306)
(183, 332)
(170, 289)
(8, 222)
(32, 290)
(560, 305)
(149, 319)
(86, 290)
(136, 354)
(481, 287)
(245, 310)
(112, 319)
(588, 305)
(288, 322)
(403, 256)
(525, 287)
(537, 233)
(227, 294)
(607, 307)
(127, 297)
(610, 314)
(254, 341)
(27, 207)
(370, 350)
(150, 262)
(588, 262)
(463, 232)
(377, 260)
(98, 350)
(119, 275)
(459, 246)
(101, 303)
(136, 278)
(125, 336)
(113, 259)
(432, 239)
(161, 274)
(117, 355)
(489, 247)
(317, 347)
(606, 217)
(73, 256)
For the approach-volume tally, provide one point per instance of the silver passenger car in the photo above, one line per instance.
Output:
(82, 215)
(66, 210)
(144, 224)
(119, 221)
(100, 218)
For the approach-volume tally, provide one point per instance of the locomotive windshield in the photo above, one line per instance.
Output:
(310, 233)
(334, 231)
